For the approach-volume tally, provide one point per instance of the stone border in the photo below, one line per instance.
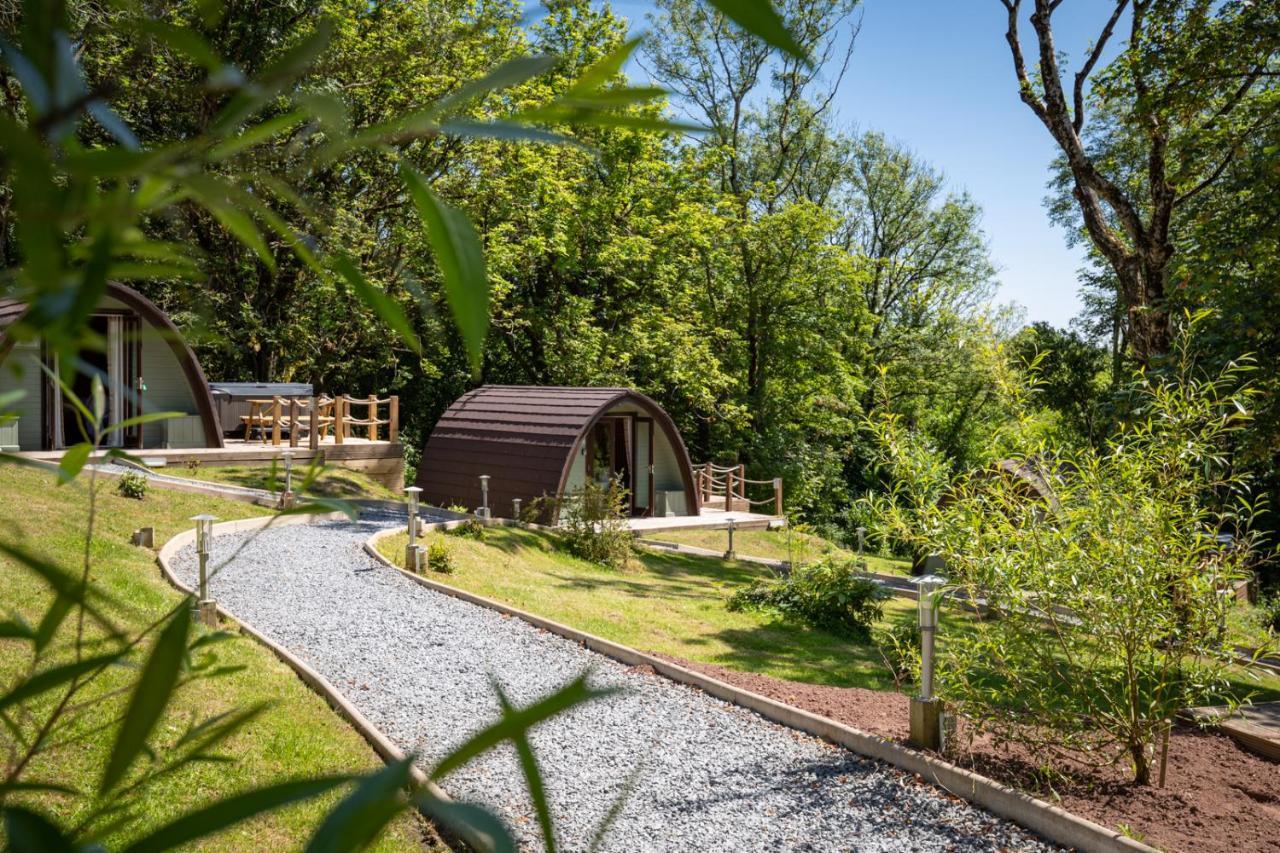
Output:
(1045, 819)
(382, 745)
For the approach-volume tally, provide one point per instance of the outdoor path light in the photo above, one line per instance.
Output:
(483, 512)
(204, 543)
(286, 497)
(729, 554)
(862, 535)
(515, 508)
(410, 553)
(926, 710)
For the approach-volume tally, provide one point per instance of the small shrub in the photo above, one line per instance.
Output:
(472, 528)
(132, 484)
(899, 646)
(829, 594)
(593, 524)
(439, 556)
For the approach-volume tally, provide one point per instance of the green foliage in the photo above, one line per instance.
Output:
(593, 525)
(899, 645)
(132, 484)
(830, 594)
(220, 163)
(471, 528)
(1105, 580)
(439, 555)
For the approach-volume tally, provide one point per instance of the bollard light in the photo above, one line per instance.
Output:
(515, 508)
(412, 492)
(929, 590)
(729, 554)
(483, 512)
(862, 538)
(204, 544)
(286, 498)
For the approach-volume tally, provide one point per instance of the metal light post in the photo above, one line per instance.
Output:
(515, 508)
(729, 554)
(926, 710)
(862, 540)
(411, 550)
(483, 511)
(204, 543)
(286, 497)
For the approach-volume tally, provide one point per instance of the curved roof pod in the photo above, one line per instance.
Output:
(526, 438)
(12, 310)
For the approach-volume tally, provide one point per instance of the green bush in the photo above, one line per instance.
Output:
(439, 555)
(593, 524)
(472, 528)
(830, 594)
(132, 484)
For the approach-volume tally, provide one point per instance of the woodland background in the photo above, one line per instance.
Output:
(771, 281)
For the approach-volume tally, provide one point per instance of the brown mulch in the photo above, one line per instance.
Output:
(1217, 796)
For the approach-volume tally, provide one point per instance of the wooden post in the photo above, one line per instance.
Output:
(742, 486)
(313, 438)
(293, 421)
(339, 403)
(373, 417)
(393, 415)
(728, 490)
(777, 496)
(275, 421)
(706, 482)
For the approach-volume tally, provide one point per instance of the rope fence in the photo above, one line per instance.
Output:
(727, 485)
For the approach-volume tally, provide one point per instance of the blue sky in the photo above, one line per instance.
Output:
(936, 76)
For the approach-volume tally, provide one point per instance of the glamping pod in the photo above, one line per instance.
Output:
(533, 441)
(146, 366)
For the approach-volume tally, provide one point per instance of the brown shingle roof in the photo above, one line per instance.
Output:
(523, 437)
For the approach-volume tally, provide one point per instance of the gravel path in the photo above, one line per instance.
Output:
(712, 776)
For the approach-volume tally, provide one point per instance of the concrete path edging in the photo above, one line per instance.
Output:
(386, 749)
(1046, 819)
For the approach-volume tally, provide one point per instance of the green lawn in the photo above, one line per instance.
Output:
(674, 604)
(297, 736)
(668, 603)
(782, 544)
(332, 481)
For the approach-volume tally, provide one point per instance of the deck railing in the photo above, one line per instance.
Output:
(318, 418)
(726, 485)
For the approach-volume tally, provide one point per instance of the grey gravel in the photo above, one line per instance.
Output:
(709, 775)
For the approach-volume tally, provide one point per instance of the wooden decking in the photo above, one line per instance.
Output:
(381, 460)
(708, 519)
(1255, 727)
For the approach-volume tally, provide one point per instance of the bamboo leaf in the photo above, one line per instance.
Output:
(384, 306)
(72, 461)
(483, 829)
(222, 814)
(760, 19)
(150, 697)
(29, 832)
(461, 259)
(46, 680)
(364, 813)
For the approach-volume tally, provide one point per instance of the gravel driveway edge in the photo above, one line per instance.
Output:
(1046, 819)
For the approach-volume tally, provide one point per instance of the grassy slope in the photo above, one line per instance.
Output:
(668, 603)
(297, 736)
(783, 544)
(332, 482)
(675, 604)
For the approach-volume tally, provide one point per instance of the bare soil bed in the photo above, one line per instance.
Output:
(1217, 796)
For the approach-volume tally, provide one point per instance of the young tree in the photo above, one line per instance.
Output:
(1193, 81)
(1106, 584)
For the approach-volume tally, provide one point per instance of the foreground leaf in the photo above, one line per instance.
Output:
(461, 258)
(150, 696)
(364, 813)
